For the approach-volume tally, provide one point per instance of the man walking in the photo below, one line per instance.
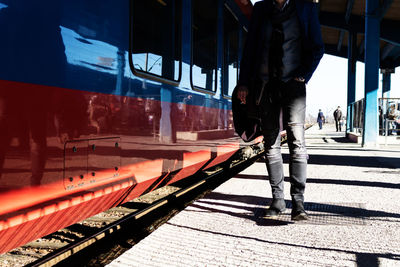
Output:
(320, 119)
(282, 50)
(337, 114)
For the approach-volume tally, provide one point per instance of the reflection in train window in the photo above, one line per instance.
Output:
(204, 26)
(231, 42)
(156, 35)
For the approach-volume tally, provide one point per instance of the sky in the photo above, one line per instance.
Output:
(327, 89)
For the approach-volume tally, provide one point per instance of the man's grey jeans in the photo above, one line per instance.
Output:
(290, 98)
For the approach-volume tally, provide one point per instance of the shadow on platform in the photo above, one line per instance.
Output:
(333, 181)
(254, 205)
(355, 161)
(362, 259)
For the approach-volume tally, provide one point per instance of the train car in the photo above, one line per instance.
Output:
(103, 101)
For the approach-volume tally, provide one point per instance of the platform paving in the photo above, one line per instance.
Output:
(352, 197)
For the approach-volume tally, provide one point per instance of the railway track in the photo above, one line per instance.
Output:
(103, 237)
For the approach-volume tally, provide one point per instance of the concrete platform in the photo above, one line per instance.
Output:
(352, 197)
(382, 140)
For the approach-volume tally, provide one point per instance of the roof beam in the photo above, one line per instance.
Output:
(386, 58)
(340, 41)
(361, 49)
(390, 56)
(331, 49)
(386, 51)
(397, 56)
(384, 8)
(337, 21)
(389, 31)
(389, 28)
(396, 61)
(349, 8)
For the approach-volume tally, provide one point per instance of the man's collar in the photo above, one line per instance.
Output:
(284, 5)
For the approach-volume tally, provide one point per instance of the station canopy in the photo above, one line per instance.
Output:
(340, 17)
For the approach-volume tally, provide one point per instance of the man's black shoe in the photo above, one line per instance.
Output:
(298, 212)
(278, 206)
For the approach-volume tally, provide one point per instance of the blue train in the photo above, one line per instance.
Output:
(103, 101)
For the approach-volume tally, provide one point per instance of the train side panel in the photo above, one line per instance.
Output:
(91, 117)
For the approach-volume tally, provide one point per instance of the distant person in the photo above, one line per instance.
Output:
(381, 121)
(282, 50)
(342, 121)
(393, 116)
(337, 114)
(320, 119)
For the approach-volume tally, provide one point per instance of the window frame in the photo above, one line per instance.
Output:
(149, 75)
(240, 48)
(215, 83)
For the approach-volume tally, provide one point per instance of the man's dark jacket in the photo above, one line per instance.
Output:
(337, 114)
(246, 118)
(312, 44)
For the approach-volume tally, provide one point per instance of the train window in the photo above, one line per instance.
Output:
(231, 51)
(156, 37)
(204, 53)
